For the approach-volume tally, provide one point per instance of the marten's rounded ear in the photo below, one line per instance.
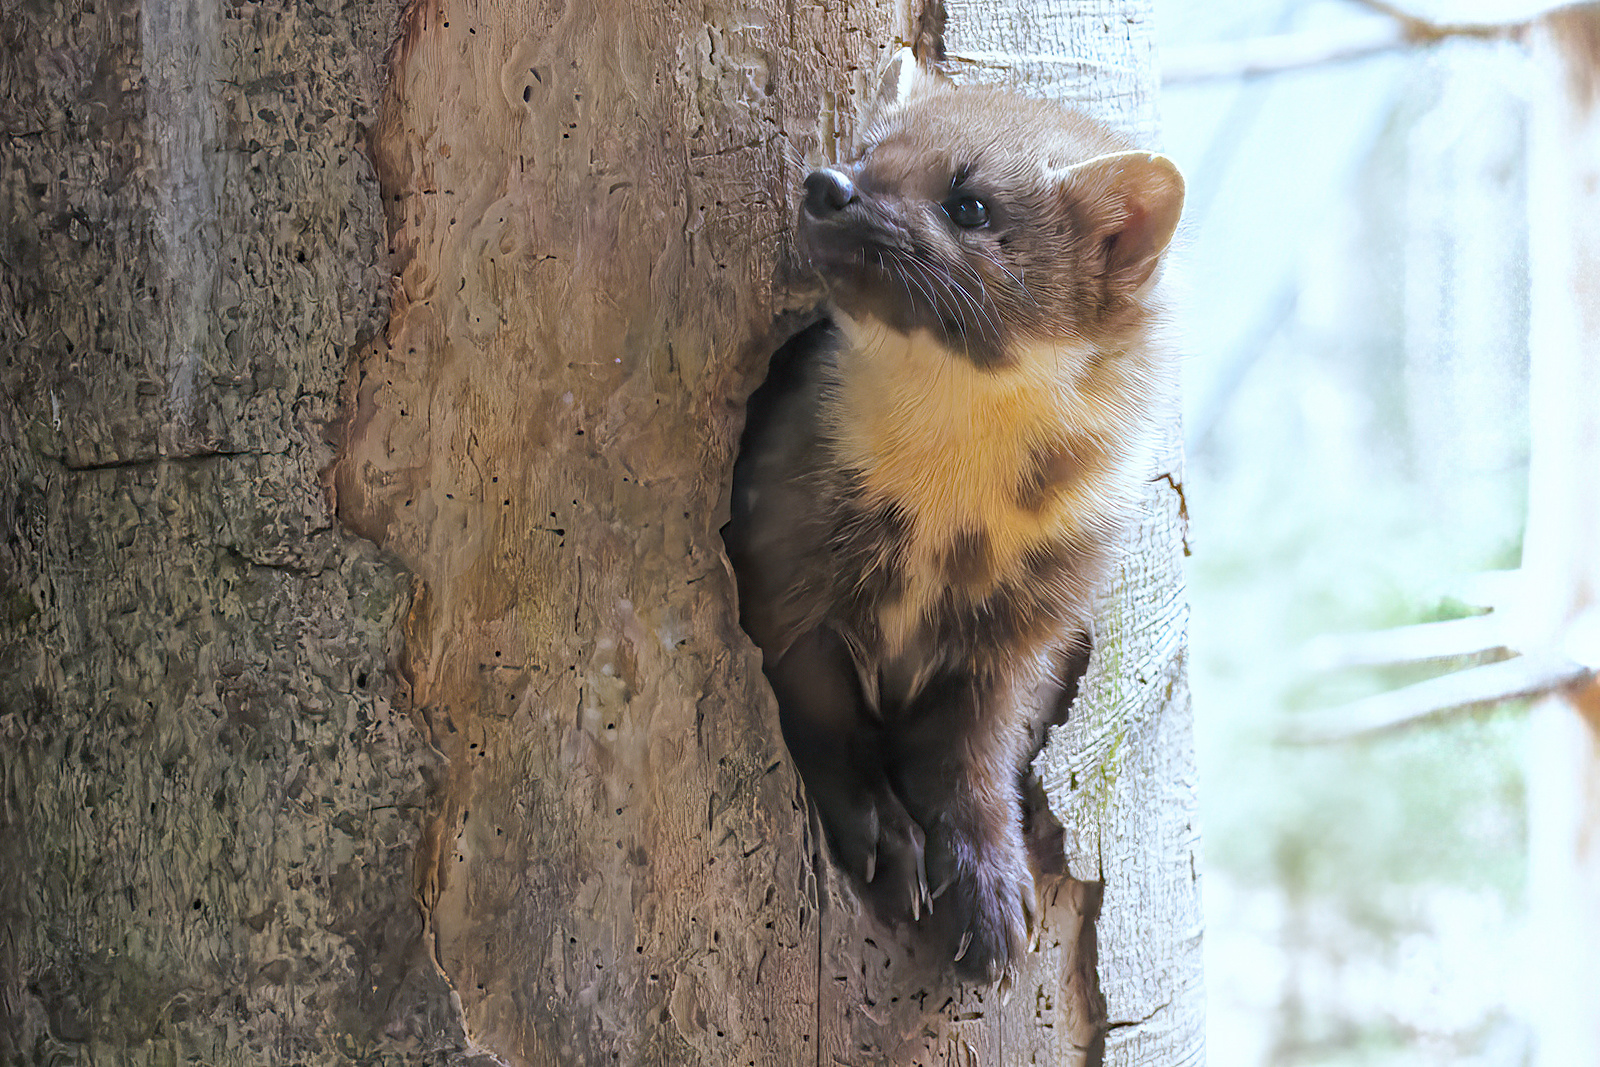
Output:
(903, 79)
(1129, 202)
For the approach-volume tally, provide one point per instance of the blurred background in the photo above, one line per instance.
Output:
(1354, 284)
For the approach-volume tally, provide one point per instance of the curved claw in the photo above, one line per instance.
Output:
(874, 839)
(987, 911)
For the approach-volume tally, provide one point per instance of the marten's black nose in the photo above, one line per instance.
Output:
(827, 192)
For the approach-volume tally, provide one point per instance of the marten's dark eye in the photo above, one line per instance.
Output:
(968, 212)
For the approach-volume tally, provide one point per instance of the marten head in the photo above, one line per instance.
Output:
(995, 223)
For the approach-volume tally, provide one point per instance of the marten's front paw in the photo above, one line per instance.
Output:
(881, 845)
(983, 902)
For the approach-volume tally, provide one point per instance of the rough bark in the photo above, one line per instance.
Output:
(208, 798)
(240, 741)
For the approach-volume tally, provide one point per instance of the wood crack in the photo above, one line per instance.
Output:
(146, 462)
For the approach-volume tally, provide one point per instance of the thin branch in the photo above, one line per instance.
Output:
(1493, 633)
(1514, 679)
(1423, 31)
(1277, 53)
(1476, 635)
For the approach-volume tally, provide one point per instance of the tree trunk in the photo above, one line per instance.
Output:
(209, 800)
(1561, 551)
(509, 783)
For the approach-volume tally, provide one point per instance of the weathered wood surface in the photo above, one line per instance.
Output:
(587, 204)
(238, 742)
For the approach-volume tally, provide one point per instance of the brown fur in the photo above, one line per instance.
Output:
(933, 486)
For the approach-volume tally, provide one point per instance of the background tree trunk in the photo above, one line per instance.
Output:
(1560, 609)
(207, 800)
(217, 827)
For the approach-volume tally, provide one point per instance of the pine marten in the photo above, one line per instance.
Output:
(935, 479)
